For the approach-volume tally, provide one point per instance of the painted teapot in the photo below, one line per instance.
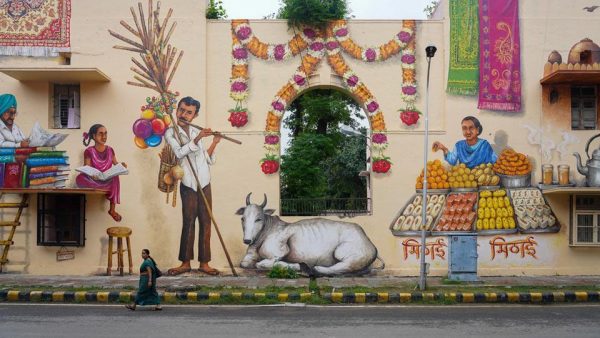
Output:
(591, 171)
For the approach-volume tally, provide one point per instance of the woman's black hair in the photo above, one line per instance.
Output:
(148, 253)
(475, 122)
(89, 136)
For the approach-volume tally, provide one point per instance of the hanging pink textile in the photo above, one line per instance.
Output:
(499, 55)
(101, 161)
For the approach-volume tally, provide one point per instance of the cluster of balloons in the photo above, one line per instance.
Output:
(150, 128)
(153, 122)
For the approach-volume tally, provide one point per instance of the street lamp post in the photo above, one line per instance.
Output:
(430, 52)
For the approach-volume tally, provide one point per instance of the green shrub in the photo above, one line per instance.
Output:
(215, 10)
(314, 13)
(282, 272)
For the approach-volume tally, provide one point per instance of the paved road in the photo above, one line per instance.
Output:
(35, 320)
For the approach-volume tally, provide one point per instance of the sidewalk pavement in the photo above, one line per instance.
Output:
(22, 287)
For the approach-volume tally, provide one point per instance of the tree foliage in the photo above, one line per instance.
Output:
(429, 9)
(215, 10)
(322, 162)
(314, 13)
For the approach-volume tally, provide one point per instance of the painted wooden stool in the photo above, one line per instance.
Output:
(119, 233)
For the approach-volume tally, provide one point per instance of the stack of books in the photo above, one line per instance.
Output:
(33, 167)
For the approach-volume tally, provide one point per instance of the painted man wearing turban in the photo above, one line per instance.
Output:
(10, 134)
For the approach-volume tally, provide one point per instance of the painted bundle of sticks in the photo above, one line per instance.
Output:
(159, 60)
(167, 155)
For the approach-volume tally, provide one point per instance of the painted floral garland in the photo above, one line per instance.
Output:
(335, 40)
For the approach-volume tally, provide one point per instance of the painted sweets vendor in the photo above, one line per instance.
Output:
(472, 151)
(11, 135)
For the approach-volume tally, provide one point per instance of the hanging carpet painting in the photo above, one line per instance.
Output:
(499, 50)
(35, 27)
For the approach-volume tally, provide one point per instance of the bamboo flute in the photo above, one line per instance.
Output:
(174, 68)
(143, 21)
(170, 31)
(126, 40)
(131, 83)
(150, 26)
(130, 29)
(214, 132)
(140, 73)
(131, 49)
(137, 24)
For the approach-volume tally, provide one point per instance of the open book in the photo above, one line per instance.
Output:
(115, 170)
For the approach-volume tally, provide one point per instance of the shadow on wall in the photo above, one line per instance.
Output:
(500, 141)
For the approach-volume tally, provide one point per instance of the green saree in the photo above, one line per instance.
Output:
(463, 73)
(147, 295)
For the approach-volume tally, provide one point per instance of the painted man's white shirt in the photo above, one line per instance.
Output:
(10, 138)
(197, 154)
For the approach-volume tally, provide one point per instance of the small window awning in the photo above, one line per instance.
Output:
(65, 74)
(572, 191)
(583, 77)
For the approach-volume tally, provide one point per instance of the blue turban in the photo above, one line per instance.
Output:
(7, 101)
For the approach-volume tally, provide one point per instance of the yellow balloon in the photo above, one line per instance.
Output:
(167, 120)
(148, 114)
(140, 143)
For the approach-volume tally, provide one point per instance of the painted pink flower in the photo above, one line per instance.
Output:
(240, 53)
(352, 81)
(379, 138)
(277, 105)
(404, 36)
(243, 33)
(310, 33)
(299, 79)
(373, 106)
(407, 58)
(370, 54)
(317, 46)
(279, 52)
(409, 90)
(331, 45)
(271, 139)
(341, 32)
(238, 86)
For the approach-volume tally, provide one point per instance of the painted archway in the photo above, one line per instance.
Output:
(317, 45)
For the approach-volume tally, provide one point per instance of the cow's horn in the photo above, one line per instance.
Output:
(248, 199)
(264, 203)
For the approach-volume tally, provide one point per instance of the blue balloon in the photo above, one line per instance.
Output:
(153, 140)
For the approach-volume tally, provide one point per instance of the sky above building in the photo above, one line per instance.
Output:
(361, 9)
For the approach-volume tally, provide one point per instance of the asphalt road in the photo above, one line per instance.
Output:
(35, 320)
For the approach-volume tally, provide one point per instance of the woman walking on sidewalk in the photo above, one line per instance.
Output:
(147, 294)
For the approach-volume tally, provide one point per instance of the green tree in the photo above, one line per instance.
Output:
(314, 13)
(321, 162)
(215, 10)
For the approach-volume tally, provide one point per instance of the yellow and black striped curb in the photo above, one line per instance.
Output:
(128, 296)
(336, 297)
(464, 297)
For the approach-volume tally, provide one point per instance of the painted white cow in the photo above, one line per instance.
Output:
(315, 246)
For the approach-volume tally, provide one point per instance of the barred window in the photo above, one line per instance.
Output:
(583, 108)
(586, 220)
(66, 106)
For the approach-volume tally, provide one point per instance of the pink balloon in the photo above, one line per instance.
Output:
(158, 127)
(142, 128)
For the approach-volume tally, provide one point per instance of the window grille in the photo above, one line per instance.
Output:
(66, 102)
(583, 108)
(586, 220)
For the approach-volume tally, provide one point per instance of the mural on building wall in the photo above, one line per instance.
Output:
(35, 28)
(319, 44)
(102, 169)
(481, 193)
(184, 158)
(316, 246)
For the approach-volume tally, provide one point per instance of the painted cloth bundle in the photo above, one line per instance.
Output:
(500, 65)
(35, 28)
(463, 72)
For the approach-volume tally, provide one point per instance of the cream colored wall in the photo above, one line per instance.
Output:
(204, 73)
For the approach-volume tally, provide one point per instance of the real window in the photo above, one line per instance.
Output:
(585, 223)
(583, 108)
(61, 220)
(66, 106)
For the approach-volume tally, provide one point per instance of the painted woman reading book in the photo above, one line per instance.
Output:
(101, 157)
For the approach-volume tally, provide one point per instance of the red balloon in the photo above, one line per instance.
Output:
(158, 127)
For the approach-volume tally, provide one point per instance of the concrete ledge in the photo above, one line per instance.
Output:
(336, 297)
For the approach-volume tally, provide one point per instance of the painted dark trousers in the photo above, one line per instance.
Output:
(192, 208)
